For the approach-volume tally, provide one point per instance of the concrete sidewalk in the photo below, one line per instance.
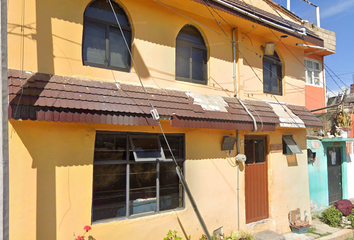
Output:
(321, 231)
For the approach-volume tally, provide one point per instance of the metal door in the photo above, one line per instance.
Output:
(334, 163)
(256, 179)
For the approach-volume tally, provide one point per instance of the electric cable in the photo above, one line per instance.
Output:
(22, 61)
(325, 65)
(178, 170)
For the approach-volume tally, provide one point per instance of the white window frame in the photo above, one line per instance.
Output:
(312, 80)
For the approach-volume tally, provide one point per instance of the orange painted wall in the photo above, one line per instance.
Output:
(315, 96)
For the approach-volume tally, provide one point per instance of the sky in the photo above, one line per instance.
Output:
(337, 16)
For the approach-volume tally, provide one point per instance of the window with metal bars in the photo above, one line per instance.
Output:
(134, 175)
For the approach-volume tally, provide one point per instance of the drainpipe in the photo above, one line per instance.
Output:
(235, 81)
(238, 181)
(234, 56)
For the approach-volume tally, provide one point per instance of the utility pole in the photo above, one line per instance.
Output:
(4, 138)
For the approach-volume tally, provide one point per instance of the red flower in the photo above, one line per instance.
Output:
(87, 228)
(80, 237)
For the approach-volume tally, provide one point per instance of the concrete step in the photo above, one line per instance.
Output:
(268, 235)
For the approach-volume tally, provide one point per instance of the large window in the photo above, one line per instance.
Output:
(313, 72)
(272, 74)
(191, 56)
(103, 43)
(134, 174)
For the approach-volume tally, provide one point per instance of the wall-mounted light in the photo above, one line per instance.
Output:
(269, 48)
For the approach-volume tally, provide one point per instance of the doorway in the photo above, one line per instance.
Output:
(334, 168)
(256, 178)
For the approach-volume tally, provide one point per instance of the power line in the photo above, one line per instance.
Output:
(310, 49)
(155, 116)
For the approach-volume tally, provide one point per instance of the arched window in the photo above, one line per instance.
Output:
(191, 56)
(103, 43)
(272, 74)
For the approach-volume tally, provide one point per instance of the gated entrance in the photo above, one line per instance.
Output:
(334, 164)
(256, 178)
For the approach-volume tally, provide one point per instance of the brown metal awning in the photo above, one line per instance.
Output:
(44, 97)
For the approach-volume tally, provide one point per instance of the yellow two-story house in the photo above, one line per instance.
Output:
(107, 97)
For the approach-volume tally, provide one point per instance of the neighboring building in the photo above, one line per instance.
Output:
(84, 148)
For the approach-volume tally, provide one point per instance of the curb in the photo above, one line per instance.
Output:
(339, 235)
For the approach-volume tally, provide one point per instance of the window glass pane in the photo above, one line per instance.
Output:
(274, 79)
(146, 147)
(317, 81)
(182, 61)
(249, 151)
(177, 145)
(198, 63)
(102, 10)
(266, 77)
(260, 147)
(309, 77)
(142, 188)
(110, 147)
(171, 190)
(95, 43)
(119, 55)
(316, 74)
(316, 66)
(190, 35)
(309, 64)
(109, 191)
(290, 146)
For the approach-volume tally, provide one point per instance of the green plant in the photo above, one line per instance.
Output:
(245, 235)
(331, 216)
(351, 218)
(172, 236)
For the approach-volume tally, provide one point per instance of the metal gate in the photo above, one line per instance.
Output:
(334, 163)
(256, 179)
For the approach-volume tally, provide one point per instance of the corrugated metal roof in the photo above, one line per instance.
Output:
(64, 99)
(310, 37)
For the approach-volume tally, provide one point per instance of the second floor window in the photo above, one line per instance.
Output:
(103, 43)
(313, 72)
(272, 74)
(191, 56)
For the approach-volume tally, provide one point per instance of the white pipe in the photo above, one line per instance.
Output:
(258, 18)
(234, 56)
(318, 16)
(288, 5)
(238, 182)
(250, 114)
(311, 46)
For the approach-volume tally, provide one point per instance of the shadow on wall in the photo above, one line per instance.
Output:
(52, 146)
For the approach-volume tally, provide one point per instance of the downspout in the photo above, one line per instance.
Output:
(235, 81)
(234, 56)
(238, 181)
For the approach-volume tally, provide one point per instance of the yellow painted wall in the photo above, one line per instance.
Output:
(51, 163)
(51, 184)
(51, 42)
